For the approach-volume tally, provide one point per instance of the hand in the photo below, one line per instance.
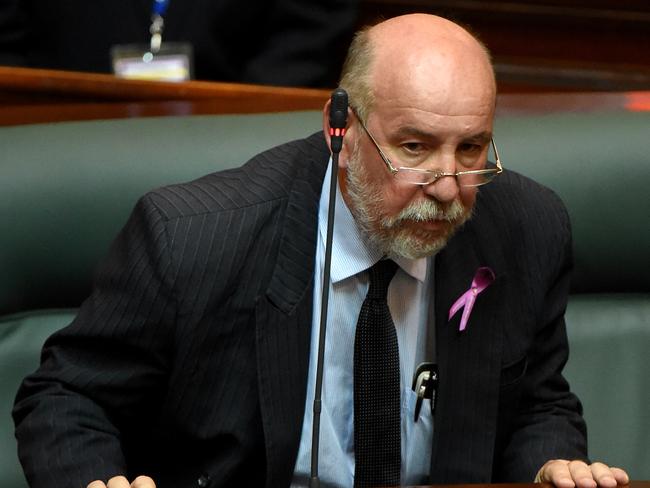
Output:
(122, 482)
(570, 474)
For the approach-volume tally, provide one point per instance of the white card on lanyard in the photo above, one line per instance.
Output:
(172, 62)
(157, 61)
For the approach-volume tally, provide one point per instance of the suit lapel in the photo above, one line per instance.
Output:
(283, 326)
(469, 362)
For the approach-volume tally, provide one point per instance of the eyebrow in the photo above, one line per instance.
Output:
(483, 137)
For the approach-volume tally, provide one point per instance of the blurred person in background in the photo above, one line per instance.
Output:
(282, 42)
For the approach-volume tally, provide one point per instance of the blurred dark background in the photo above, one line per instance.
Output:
(549, 45)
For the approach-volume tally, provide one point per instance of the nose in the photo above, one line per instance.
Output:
(444, 189)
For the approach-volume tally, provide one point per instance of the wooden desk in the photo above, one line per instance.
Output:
(35, 95)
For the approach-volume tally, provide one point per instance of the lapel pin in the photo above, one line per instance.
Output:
(482, 279)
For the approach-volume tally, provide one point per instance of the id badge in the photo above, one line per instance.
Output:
(172, 62)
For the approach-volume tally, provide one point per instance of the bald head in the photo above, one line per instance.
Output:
(420, 58)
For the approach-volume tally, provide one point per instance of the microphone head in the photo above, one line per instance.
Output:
(339, 109)
(338, 118)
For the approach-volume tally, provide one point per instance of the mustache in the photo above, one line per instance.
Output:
(427, 210)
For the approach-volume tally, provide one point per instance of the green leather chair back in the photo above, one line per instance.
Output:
(66, 189)
(599, 163)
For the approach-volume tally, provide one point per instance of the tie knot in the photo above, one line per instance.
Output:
(380, 275)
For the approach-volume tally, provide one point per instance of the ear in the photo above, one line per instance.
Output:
(348, 144)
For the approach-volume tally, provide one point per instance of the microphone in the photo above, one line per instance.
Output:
(338, 117)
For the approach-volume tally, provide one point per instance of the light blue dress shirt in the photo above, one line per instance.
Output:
(410, 302)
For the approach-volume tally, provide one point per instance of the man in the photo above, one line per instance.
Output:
(193, 361)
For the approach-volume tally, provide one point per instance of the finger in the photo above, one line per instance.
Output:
(607, 476)
(557, 472)
(96, 484)
(603, 475)
(118, 482)
(143, 482)
(582, 475)
(620, 476)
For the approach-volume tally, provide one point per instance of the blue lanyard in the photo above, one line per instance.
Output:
(159, 7)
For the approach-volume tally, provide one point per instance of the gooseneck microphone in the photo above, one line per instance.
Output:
(338, 117)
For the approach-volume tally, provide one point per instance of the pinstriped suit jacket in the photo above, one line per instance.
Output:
(188, 362)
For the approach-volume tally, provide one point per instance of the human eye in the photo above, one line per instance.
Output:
(470, 154)
(413, 152)
(412, 147)
(470, 148)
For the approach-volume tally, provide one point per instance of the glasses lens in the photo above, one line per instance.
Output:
(422, 177)
(476, 179)
(415, 176)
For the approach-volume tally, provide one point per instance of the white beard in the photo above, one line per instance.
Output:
(390, 234)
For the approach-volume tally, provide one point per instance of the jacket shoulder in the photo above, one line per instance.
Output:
(269, 176)
(517, 201)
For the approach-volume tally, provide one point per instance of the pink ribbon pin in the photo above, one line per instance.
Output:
(482, 279)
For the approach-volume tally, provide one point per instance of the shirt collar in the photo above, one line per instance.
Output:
(351, 250)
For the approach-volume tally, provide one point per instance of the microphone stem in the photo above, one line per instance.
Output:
(314, 481)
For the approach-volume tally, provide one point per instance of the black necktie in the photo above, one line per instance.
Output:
(377, 432)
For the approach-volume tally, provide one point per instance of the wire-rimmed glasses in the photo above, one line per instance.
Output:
(421, 176)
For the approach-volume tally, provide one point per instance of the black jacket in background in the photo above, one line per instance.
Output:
(281, 42)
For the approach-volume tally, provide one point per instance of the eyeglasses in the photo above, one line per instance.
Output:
(420, 176)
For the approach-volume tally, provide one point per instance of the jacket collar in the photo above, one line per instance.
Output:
(294, 268)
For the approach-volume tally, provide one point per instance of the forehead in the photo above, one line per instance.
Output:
(433, 77)
(436, 111)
